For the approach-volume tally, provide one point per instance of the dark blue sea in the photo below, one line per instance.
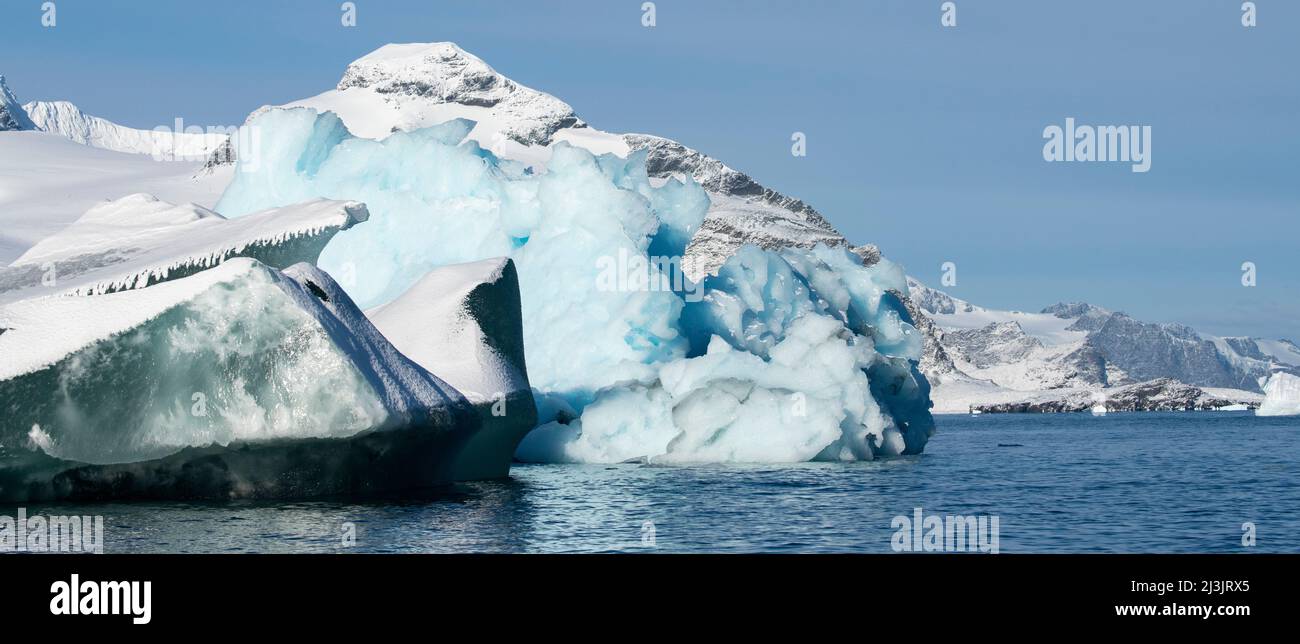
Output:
(1136, 482)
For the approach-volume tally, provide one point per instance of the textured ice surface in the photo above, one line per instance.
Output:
(1281, 395)
(795, 356)
(463, 323)
(140, 240)
(783, 356)
(237, 353)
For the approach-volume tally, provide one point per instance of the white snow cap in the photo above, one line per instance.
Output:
(67, 120)
(402, 87)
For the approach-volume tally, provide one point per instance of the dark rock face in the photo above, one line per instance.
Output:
(935, 362)
(933, 301)
(1146, 351)
(868, 253)
(1156, 395)
(997, 343)
(665, 158)
(12, 115)
(223, 155)
(1086, 366)
(1246, 347)
(743, 211)
(1068, 310)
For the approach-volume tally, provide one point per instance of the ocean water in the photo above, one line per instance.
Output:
(1136, 482)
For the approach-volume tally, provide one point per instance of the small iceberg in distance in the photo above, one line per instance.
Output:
(1281, 395)
(1098, 404)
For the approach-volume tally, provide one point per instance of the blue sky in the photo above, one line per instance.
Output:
(922, 139)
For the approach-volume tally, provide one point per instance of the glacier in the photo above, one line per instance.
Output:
(782, 356)
(1281, 395)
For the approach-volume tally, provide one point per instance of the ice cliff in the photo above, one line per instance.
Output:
(1281, 395)
(463, 323)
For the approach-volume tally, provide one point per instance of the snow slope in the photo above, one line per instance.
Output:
(67, 120)
(48, 182)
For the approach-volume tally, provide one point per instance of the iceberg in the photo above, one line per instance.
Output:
(140, 240)
(239, 380)
(782, 356)
(463, 323)
(1281, 395)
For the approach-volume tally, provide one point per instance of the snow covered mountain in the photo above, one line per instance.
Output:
(410, 86)
(12, 116)
(401, 87)
(1008, 358)
(65, 119)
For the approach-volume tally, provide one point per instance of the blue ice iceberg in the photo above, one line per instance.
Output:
(782, 356)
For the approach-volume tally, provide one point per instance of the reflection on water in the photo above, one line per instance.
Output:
(1059, 483)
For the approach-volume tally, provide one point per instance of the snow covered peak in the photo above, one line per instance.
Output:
(67, 120)
(404, 87)
(441, 70)
(413, 79)
(936, 302)
(12, 116)
(1066, 310)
